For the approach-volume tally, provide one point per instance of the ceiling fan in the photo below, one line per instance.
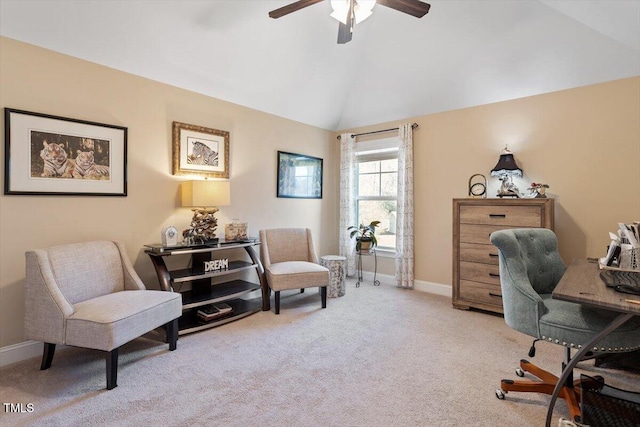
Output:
(354, 11)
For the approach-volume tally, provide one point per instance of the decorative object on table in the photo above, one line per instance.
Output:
(211, 312)
(479, 188)
(365, 236)
(206, 196)
(52, 155)
(537, 190)
(505, 170)
(235, 231)
(198, 150)
(299, 176)
(170, 236)
(216, 265)
(623, 253)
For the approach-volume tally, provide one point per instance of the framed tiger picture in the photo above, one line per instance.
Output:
(53, 155)
(200, 151)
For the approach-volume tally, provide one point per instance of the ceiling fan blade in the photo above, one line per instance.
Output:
(415, 8)
(345, 31)
(285, 10)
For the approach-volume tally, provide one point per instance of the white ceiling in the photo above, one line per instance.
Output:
(462, 53)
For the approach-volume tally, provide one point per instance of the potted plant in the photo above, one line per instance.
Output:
(365, 236)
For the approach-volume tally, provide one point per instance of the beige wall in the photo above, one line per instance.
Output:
(584, 142)
(39, 80)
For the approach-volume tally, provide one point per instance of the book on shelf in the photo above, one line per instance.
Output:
(214, 311)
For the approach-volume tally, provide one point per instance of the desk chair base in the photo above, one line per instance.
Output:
(570, 393)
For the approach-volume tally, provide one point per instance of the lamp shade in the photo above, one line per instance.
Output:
(206, 193)
(506, 165)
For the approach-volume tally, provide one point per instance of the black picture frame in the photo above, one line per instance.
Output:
(299, 176)
(60, 156)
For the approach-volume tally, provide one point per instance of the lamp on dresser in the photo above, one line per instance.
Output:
(505, 170)
(204, 196)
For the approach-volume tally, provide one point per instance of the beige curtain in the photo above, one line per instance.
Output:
(347, 199)
(404, 224)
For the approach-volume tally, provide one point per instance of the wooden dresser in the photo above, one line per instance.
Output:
(476, 277)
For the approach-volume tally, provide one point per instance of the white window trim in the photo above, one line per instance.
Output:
(379, 149)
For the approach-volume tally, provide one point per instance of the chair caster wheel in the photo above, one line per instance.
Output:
(519, 372)
(500, 394)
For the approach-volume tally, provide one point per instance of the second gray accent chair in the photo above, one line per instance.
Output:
(530, 269)
(88, 295)
(290, 262)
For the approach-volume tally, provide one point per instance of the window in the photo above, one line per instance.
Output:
(377, 188)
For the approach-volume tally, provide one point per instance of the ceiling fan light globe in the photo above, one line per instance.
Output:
(361, 10)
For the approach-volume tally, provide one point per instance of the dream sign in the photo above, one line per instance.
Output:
(216, 265)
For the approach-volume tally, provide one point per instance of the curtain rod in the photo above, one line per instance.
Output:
(413, 126)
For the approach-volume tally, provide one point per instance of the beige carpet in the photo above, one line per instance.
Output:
(379, 356)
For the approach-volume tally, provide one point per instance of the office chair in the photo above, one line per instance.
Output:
(530, 268)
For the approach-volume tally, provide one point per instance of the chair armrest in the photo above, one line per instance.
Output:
(46, 308)
(313, 256)
(264, 250)
(522, 305)
(132, 281)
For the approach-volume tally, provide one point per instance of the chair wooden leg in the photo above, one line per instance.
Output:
(112, 369)
(277, 301)
(47, 356)
(323, 293)
(569, 393)
(172, 334)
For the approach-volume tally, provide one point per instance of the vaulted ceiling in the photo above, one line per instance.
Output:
(462, 53)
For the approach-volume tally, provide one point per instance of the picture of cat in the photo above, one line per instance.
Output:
(56, 161)
(85, 167)
(51, 156)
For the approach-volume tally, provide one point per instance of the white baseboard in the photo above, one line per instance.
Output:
(418, 285)
(21, 351)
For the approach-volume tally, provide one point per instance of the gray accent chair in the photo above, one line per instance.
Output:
(88, 295)
(290, 262)
(530, 268)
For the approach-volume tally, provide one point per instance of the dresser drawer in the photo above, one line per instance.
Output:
(481, 292)
(484, 273)
(478, 233)
(473, 252)
(517, 216)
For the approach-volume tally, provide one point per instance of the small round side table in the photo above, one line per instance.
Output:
(337, 269)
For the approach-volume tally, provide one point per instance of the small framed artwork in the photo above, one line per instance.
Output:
(299, 176)
(201, 151)
(51, 155)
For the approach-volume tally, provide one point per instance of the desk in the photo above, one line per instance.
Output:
(581, 283)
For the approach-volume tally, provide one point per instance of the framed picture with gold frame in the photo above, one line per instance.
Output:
(199, 150)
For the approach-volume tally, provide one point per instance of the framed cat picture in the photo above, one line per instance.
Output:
(52, 155)
(201, 151)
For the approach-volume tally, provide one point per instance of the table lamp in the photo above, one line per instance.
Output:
(505, 169)
(205, 197)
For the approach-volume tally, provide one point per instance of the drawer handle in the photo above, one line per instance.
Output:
(491, 294)
(494, 275)
(493, 255)
(497, 215)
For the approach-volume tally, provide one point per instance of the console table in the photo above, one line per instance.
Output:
(205, 261)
